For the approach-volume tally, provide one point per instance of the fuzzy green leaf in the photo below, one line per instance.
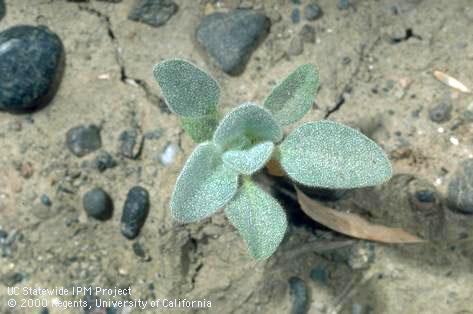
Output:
(259, 218)
(292, 98)
(203, 186)
(248, 161)
(189, 91)
(200, 129)
(250, 121)
(331, 155)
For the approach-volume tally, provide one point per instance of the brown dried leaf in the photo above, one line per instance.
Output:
(274, 168)
(352, 224)
(451, 81)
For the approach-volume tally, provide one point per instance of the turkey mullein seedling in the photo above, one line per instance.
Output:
(218, 172)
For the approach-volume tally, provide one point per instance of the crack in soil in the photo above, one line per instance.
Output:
(124, 77)
(347, 88)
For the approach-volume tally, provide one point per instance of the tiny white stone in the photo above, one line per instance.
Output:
(438, 181)
(454, 140)
(104, 76)
(441, 130)
(168, 155)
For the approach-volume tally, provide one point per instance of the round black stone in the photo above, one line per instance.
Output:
(135, 211)
(98, 204)
(31, 64)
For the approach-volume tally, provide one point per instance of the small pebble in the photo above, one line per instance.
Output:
(153, 12)
(82, 140)
(299, 295)
(460, 188)
(468, 114)
(138, 250)
(12, 278)
(296, 46)
(319, 274)
(307, 33)
(441, 112)
(98, 204)
(296, 16)
(135, 211)
(45, 200)
(169, 154)
(44, 310)
(131, 142)
(454, 140)
(343, 4)
(361, 255)
(104, 161)
(312, 12)
(425, 196)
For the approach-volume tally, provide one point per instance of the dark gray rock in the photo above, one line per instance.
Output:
(2, 9)
(153, 12)
(104, 161)
(441, 112)
(229, 38)
(98, 204)
(135, 211)
(460, 189)
(31, 63)
(131, 142)
(299, 295)
(82, 140)
(312, 11)
(307, 34)
(296, 15)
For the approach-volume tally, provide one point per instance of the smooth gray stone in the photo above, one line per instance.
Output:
(230, 38)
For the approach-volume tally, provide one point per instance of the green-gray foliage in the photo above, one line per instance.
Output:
(259, 218)
(248, 161)
(293, 97)
(247, 121)
(331, 155)
(218, 172)
(203, 186)
(190, 93)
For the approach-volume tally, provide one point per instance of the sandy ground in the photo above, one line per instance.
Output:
(387, 90)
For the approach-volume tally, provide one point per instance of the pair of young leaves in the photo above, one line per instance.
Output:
(322, 154)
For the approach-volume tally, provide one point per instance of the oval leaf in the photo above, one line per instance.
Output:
(203, 186)
(188, 90)
(250, 121)
(292, 98)
(259, 218)
(200, 129)
(331, 155)
(250, 160)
